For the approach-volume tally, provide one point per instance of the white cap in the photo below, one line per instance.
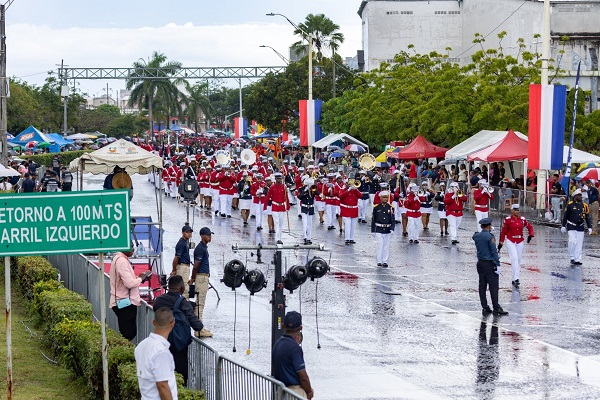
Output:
(575, 193)
(515, 207)
(384, 193)
(245, 173)
(482, 182)
(384, 184)
(454, 184)
(397, 171)
(412, 185)
(309, 182)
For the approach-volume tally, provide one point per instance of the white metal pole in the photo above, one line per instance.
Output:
(310, 67)
(542, 175)
(241, 116)
(9, 380)
(103, 325)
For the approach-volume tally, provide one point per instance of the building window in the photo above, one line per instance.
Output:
(406, 12)
(391, 12)
(440, 12)
(453, 12)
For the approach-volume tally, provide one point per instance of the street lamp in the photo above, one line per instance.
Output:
(310, 40)
(285, 60)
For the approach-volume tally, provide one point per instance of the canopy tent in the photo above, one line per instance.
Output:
(31, 134)
(579, 156)
(176, 128)
(266, 135)
(78, 136)
(479, 141)
(419, 148)
(59, 139)
(337, 137)
(8, 171)
(510, 148)
(120, 153)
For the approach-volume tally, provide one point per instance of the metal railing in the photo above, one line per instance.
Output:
(220, 377)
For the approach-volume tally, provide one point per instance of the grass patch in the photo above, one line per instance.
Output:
(34, 377)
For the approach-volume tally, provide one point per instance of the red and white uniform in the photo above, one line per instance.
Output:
(512, 235)
(329, 196)
(349, 198)
(203, 178)
(482, 201)
(173, 170)
(413, 212)
(454, 212)
(277, 196)
(214, 189)
(227, 187)
(319, 199)
(259, 193)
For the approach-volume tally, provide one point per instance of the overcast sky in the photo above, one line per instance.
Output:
(115, 33)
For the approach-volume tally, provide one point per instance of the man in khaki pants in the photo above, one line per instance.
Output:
(181, 261)
(593, 200)
(200, 275)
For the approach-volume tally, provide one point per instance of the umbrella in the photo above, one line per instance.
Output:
(356, 148)
(111, 139)
(43, 145)
(588, 165)
(336, 155)
(78, 136)
(333, 147)
(590, 173)
(380, 164)
(4, 172)
(9, 136)
(31, 144)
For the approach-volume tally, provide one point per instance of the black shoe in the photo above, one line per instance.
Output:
(454, 241)
(353, 242)
(411, 241)
(572, 261)
(193, 204)
(446, 233)
(499, 311)
(404, 233)
(348, 242)
(425, 228)
(271, 232)
(321, 222)
(279, 242)
(577, 263)
(384, 265)
(330, 228)
(253, 216)
(486, 311)
(442, 233)
(259, 228)
(309, 242)
(229, 216)
(416, 241)
(515, 283)
(299, 216)
(379, 264)
(245, 223)
(216, 212)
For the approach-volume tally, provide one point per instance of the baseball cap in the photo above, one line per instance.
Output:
(205, 231)
(292, 320)
(485, 221)
(186, 228)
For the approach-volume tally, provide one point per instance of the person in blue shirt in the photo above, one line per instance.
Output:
(488, 267)
(287, 357)
(201, 274)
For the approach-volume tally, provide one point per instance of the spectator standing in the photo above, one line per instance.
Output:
(593, 202)
(28, 185)
(125, 292)
(181, 261)
(287, 357)
(201, 274)
(66, 179)
(154, 363)
(176, 287)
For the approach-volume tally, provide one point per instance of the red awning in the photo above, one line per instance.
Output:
(510, 148)
(419, 148)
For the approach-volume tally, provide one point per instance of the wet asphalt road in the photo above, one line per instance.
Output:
(413, 330)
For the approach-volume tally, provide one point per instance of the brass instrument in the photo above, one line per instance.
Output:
(248, 156)
(315, 175)
(367, 161)
(354, 183)
(223, 157)
(459, 193)
(421, 193)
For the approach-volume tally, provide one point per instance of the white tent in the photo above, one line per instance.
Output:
(121, 153)
(579, 156)
(479, 141)
(334, 137)
(8, 171)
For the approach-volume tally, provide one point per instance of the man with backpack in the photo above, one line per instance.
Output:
(183, 312)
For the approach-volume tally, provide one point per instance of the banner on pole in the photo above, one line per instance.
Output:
(310, 113)
(241, 127)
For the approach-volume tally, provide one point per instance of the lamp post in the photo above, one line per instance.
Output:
(285, 60)
(310, 39)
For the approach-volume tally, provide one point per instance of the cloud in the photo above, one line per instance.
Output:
(34, 49)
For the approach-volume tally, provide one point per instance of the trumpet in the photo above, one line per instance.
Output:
(421, 193)
(354, 183)
(459, 193)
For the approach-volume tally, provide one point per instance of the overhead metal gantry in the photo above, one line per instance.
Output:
(68, 73)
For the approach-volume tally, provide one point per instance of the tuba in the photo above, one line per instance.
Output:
(367, 161)
(248, 157)
(223, 157)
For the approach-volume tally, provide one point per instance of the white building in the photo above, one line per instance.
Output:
(449, 27)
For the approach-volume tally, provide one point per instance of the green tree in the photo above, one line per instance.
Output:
(198, 103)
(144, 91)
(51, 106)
(23, 108)
(126, 125)
(98, 119)
(325, 34)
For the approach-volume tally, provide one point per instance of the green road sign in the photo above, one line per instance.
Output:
(96, 221)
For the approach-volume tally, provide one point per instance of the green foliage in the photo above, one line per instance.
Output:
(125, 125)
(127, 375)
(23, 107)
(66, 157)
(41, 287)
(32, 270)
(57, 305)
(324, 32)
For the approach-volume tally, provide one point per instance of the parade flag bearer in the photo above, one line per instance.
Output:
(576, 214)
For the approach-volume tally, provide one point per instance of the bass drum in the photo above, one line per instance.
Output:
(367, 161)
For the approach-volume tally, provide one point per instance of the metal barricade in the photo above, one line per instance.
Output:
(203, 361)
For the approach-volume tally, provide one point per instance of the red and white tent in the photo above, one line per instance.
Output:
(509, 148)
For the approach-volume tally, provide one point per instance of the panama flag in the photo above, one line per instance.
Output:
(310, 113)
(547, 110)
(241, 127)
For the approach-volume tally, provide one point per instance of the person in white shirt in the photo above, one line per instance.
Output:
(154, 362)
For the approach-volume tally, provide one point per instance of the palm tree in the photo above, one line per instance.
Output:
(145, 91)
(198, 102)
(325, 33)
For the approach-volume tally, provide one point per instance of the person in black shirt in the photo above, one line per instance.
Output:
(201, 274)
(556, 190)
(28, 184)
(176, 289)
(181, 261)
(66, 179)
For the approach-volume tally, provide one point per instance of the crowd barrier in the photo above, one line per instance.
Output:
(220, 377)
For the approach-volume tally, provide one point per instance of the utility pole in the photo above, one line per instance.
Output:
(64, 93)
(333, 64)
(3, 87)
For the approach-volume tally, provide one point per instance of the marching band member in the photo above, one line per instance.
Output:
(269, 180)
(383, 187)
(277, 194)
(307, 195)
(338, 186)
(426, 205)
(298, 179)
(363, 203)
(382, 225)
(227, 188)
(245, 196)
(413, 212)
(512, 232)
(402, 211)
(329, 197)
(166, 173)
(258, 192)
(349, 197)
(214, 186)
(576, 213)
(442, 209)
(173, 172)
(319, 199)
(454, 201)
(482, 196)
(179, 179)
(202, 184)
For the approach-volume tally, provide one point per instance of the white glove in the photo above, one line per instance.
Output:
(454, 196)
(497, 270)
(589, 231)
(563, 230)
